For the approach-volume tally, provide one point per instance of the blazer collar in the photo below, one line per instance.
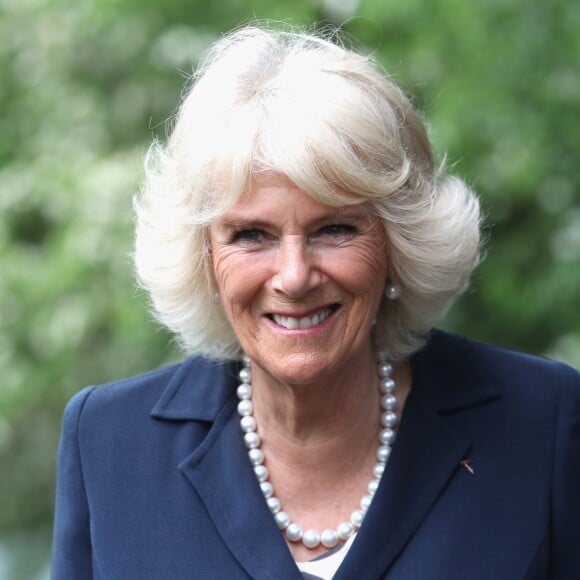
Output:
(443, 376)
(198, 389)
(448, 374)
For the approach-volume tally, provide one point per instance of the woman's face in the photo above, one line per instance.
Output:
(300, 282)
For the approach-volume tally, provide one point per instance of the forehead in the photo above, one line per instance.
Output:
(272, 194)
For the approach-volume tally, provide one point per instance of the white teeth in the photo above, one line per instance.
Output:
(292, 323)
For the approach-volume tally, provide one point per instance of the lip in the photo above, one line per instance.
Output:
(331, 307)
(302, 313)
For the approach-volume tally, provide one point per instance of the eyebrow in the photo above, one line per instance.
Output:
(246, 223)
(344, 212)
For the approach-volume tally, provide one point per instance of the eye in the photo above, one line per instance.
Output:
(247, 236)
(338, 230)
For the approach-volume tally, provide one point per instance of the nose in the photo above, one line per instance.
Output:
(297, 270)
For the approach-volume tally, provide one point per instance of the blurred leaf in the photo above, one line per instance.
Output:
(84, 87)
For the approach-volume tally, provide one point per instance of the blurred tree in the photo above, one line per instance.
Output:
(86, 84)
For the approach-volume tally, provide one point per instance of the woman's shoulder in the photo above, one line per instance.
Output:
(454, 344)
(509, 371)
(197, 381)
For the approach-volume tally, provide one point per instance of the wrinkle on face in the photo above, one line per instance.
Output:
(278, 250)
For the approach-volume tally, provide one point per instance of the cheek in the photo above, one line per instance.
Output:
(364, 271)
(375, 265)
(238, 277)
(222, 269)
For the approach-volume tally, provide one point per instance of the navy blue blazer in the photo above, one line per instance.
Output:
(154, 481)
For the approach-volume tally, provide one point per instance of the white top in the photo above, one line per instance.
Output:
(324, 567)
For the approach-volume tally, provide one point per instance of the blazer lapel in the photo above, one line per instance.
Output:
(424, 458)
(221, 474)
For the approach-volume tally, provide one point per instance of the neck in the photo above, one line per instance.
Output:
(319, 457)
(320, 413)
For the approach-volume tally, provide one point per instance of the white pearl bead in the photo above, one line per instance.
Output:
(389, 419)
(385, 369)
(282, 520)
(387, 436)
(329, 538)
(245, 408)
(311, 538)
(256, 456)
(246, 360)
(251, 439)
(245, 375)
(387, 386)
(273, 504)
(365, 502)
(356, 518)
(345, 530)
(261, 472)
(383, 453)
(294, 532)
(378, 470)
(392, 293)
(373, 486)
(267, 489)
(248, 423)
(389, 402)
(244, 391)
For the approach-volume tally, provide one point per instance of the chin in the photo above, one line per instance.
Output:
(302, 370)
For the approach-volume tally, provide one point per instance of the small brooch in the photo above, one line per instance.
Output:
(467, 464)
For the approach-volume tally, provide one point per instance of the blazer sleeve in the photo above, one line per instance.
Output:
(71, 552)
(566, 485)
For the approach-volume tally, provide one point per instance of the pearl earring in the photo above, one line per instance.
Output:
(216, 298)
(392, 292)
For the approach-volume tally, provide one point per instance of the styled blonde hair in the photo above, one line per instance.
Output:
(334, 123)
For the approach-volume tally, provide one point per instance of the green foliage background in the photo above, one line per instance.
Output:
(85, 85)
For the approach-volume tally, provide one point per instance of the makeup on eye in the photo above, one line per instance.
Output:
(246, 235)
(255, 235)
(337, 229)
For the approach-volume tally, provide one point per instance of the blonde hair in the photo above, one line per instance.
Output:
(330, 120)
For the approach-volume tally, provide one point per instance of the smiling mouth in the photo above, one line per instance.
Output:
(294, 323)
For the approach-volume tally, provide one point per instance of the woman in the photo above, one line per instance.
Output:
(295, 233)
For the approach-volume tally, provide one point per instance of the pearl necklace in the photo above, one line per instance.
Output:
(293, 530)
